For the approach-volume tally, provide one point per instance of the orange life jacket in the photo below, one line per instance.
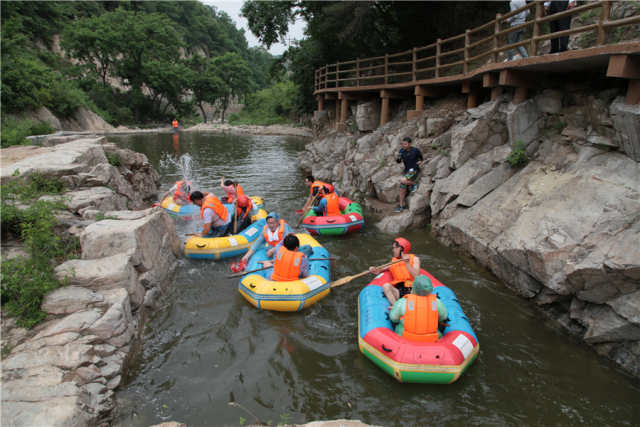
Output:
(239, 192)
(421, 318)
(401, 273)
(211, 201)
(179, 194)
(287, 265)
(319, 185)
(175, 123)
(265, 233)
(333, 204)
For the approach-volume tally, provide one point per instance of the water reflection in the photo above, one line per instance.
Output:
(206, 346)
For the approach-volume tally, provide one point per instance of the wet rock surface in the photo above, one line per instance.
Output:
(562, 230)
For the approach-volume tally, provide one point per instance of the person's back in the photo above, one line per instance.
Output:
(289, 264)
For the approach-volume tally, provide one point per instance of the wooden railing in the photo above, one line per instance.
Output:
(460, 54)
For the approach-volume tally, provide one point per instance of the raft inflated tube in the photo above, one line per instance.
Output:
(227, 246)
(292, 295)
(193, 211)
(439, 362)
(349, 221)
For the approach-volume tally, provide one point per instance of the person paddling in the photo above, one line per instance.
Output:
(272, 234)
(329, 205)
(233, 190)
(216, 217)
(403, 272)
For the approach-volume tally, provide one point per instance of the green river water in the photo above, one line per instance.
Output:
(206, 347)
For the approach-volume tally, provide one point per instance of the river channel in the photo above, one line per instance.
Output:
(206, 347)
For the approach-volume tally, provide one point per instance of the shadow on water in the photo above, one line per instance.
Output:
(205, 346)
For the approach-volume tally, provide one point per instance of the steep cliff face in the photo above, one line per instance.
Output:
(562, 230)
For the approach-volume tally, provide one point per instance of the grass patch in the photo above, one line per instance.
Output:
(15, 132)
(114, 159)
(25, 281)
(518, 155)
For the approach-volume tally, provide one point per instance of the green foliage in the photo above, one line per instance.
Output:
(15, 132)
(6, 349)
(274, 105)
(25, 281)
(100, 216)
(518, 155)
(286, 418)
(242, 420)
(114, 159)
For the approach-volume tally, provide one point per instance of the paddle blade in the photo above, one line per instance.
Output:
(342, 281)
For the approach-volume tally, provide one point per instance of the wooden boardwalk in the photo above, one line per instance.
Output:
(408, 74)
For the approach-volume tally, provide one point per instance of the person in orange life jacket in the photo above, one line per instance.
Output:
(175, 125)
(181, 192)
(243, 211)
(314, 186)
(403, 272)
(290, 262)
(272, 234)
(217, 218)
(419, 313)
(229, 187)
(329, 205)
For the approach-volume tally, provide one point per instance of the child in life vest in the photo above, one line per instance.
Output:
(290, 261)
(403, 272)
(419, 313)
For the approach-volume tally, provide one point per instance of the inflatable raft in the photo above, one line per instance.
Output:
(227, 246)
(440, 362)
(292, 295)
(193, 211)
(349, 221)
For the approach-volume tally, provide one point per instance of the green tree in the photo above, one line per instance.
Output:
(235, 73)
(204, 82)
(96, 42)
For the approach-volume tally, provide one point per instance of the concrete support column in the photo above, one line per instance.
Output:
(521, 81)
(495, 93)
(320, 104)
(472, 88)
(419, 102)
(633, 92)
(384, 114)
(338, 113)
(520, 94)
(627, 67)
(343, 111)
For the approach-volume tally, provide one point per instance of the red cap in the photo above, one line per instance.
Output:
(244, 201)
(406, 246)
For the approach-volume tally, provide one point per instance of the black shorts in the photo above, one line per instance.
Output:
(402, 289)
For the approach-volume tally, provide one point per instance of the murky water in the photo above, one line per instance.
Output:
(207, 347)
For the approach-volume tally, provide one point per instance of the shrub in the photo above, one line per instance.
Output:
(114, 159)
(518, 155)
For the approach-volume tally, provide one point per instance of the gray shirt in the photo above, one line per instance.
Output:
(522, 16)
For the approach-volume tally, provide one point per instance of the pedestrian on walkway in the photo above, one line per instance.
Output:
(562, 24)
(519, 19)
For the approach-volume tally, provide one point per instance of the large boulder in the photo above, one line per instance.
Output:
(524, 121)
(477, 137)
(626, 122)
(368, 115)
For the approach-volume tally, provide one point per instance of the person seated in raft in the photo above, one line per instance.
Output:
(419, 313)
(290, 262)
(329, 205)
(181, 192)
(272, 233)
(403, 272)
(314, 186)
(229, 187)
(216, 217)
(244, 210)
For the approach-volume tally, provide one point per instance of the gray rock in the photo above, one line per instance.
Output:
(550, 101)
(368, 115)
(114, 382)
(627, 306)
(524, 121)
(55, 412)
(575, 116)
(69, 356)
(479, 136)
(389, 190)
(606, 326)
(76, 322)
(435, 125)
(626, 122)
(70, 299)
(485, 185)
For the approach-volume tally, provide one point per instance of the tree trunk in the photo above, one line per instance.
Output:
(203, 113)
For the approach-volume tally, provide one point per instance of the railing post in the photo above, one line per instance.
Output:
(337, 73)
(386, 68)
(496, 42)
(326, 75)
(466, 51)
(604, 17)
(357, 71)
(415, 56)
(536, 28)
(438, 51)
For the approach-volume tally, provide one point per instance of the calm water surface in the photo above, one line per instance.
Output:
(206, 347)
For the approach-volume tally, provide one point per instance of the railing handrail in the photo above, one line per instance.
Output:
(389, 68)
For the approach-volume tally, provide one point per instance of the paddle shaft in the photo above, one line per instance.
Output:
(310, 259)
(309, 208)
(235, 209)
(244, 273)
(350, 278)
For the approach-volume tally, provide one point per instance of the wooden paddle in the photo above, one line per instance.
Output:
(235, 209)
(350, 278)
(308, 209)
(244, 273)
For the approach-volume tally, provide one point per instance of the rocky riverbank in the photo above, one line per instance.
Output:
(563, 231)
(65, 370)
(252, 129)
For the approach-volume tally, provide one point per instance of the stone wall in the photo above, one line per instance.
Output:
(562, 231)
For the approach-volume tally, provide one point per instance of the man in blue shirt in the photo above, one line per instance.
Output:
(412, 158)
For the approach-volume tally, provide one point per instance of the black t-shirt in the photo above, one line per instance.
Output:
(410, 159)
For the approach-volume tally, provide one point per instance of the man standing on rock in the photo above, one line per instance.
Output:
(412, 158)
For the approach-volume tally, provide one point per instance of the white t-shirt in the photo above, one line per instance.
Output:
(210, 217)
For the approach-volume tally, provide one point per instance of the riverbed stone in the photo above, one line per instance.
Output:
(604, 325)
